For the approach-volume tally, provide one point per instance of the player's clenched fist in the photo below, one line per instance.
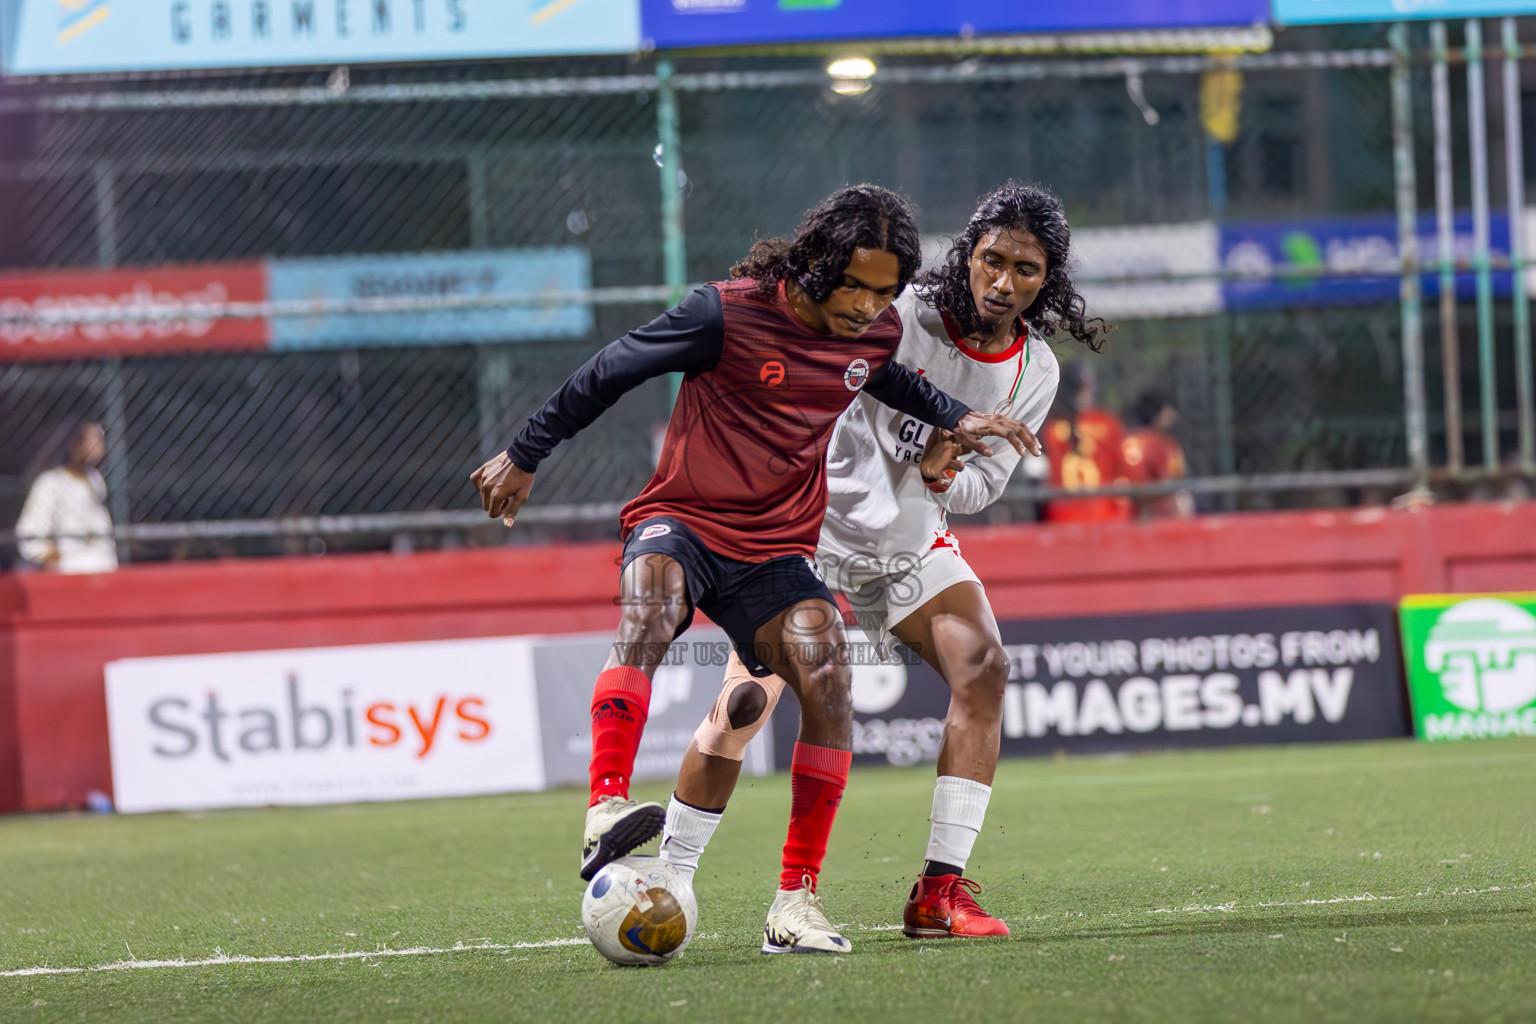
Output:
(974, 426)
(503, 487)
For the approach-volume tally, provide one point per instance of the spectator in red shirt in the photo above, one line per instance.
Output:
(1151, 455)
(1084, 446)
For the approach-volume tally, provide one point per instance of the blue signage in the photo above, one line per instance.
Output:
(1342, 262)
(448, 276)
(48, 37)
(678, 24)
(1324, 12)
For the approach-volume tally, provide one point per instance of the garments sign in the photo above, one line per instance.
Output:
(669, 24)
(52, 37)
(1322, 12)
(522, 273)
(1209, 678)
(324, 725)
(1471, 665)
(174, 293)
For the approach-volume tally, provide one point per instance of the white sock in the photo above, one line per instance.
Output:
(959, 807)
(685, 835)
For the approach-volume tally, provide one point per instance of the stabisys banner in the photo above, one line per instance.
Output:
(324, 725)
(389, 721)
(1136, 682)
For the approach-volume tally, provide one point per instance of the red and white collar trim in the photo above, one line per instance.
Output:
(986, 357)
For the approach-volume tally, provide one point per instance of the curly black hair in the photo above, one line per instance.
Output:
(1058, 307)
(855, 217)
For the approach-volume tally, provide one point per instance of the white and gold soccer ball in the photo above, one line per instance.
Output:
(639, 911)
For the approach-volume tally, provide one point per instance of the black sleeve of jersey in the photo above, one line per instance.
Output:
(685, 339)
(901, 389)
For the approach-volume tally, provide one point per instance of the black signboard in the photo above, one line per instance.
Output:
(1137, 682)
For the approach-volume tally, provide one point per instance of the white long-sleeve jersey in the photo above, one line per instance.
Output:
(879, 510)
(67, 514)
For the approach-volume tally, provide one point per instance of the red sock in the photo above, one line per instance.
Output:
(818, 776)
(621, 701)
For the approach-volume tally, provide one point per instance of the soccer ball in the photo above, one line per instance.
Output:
(639, 911)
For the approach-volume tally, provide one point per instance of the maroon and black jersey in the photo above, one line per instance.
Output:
(744, 462)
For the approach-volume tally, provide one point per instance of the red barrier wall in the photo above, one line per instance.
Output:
(57, 633)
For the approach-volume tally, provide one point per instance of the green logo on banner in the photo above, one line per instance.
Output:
(1471, 665)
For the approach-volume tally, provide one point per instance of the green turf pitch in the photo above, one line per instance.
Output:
(1391, 881)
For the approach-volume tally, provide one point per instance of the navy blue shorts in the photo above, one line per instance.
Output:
(737, 596)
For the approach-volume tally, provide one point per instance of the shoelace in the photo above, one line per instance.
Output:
(960, 898)
(808, 912)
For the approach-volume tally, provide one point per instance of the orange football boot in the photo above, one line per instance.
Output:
(941, 906)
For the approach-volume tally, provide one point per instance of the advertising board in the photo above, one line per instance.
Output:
(173, 292)
(58, 37)
(1324, 12)
(683, 690)
(1471, 662)
(529, 273)
(323, 725)
(1207, 678)
(668, 24)
(389, 721)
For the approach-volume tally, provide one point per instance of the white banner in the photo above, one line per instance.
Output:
(324, 725)
(1137, 272)
(1171, 256)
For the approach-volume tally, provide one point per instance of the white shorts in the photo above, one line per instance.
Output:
(882, 599)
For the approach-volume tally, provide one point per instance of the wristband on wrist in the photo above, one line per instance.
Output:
(940, 485)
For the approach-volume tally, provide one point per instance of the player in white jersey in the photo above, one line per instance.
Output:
(976, 327)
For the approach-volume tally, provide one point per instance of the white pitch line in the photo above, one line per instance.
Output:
(222, 958)
(1365, 897)
(501, 947)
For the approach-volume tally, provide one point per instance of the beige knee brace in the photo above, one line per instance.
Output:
(727, 730)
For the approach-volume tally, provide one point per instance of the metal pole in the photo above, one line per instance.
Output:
(1477, 130)
(1408, 250)
(1216, 176)
(1226, 421)
(674, 262)
(669, 148)
(117, 466)
(104, 189)
(1514, 165)
(478, 201)
(1445, 231)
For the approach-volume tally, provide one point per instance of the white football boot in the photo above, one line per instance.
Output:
(797, 923)
(615, 827)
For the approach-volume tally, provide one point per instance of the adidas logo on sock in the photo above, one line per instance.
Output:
(613, 709)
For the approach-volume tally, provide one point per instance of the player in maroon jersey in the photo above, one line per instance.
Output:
(730, 520)
(1151, 454)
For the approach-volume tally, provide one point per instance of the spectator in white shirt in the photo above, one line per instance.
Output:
(65, 525)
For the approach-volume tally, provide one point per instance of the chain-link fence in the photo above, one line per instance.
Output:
(310, 403)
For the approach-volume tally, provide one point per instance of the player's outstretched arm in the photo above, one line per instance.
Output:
(685, 339)
(901, 389)
(503, 487)
(974, 426)
(985, 479)
(968, 486)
